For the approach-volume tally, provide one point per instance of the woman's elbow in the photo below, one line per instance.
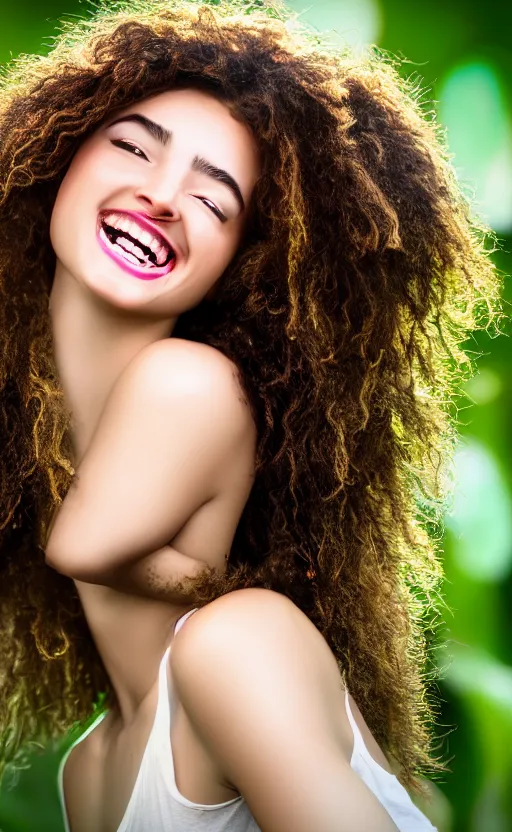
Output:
(68, 559)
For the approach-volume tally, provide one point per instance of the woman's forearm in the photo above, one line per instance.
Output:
(156, 575)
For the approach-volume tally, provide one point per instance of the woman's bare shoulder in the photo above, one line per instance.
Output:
(256, 680)
(262, 617)
(188, 366)
(171, 349)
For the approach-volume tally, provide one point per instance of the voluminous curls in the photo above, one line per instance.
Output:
(361, 274)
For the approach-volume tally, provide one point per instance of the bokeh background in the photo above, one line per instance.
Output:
(461, 53)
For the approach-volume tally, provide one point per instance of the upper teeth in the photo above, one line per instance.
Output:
(152, 241)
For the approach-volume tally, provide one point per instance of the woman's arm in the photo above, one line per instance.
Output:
(152, 576)
(161, 450)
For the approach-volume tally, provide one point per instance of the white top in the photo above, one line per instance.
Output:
(156, 804)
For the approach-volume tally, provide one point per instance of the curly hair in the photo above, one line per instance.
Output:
(361, 274)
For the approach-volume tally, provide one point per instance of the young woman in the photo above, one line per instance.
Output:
(236, 271)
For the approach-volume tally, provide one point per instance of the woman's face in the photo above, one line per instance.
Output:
(152, 208)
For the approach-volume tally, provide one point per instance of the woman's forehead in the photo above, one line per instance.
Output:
(190, 115)
(175, 98)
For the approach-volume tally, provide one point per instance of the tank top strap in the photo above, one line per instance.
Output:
(163, 715)
(62, 764)
(359, 746)
(180, 622)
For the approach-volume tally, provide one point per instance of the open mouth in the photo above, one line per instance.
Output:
(158, 255)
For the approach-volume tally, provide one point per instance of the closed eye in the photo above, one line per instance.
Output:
(132, 148)
(211, 205)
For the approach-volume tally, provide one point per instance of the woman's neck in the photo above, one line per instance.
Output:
(93, 344)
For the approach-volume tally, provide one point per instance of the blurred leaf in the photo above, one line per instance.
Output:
(33, 806)
(473, 107)
(481, 518)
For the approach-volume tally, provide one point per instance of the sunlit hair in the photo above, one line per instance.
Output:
(346, 308)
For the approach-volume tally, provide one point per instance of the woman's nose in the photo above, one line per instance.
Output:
(159, 200)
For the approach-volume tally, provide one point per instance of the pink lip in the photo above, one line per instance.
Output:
(142, 274)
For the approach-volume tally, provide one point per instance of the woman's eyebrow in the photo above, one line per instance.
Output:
(160, 133)
(201, 165)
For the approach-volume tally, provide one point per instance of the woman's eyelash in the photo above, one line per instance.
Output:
(209, 204)
(133, 147)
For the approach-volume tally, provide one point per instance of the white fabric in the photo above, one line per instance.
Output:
(385, 786)
(157, 805)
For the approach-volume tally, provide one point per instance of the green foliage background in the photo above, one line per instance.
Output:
(462, 53)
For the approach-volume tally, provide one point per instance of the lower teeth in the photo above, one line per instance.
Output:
(127, 255)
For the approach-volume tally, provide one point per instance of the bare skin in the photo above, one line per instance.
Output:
(122, 537)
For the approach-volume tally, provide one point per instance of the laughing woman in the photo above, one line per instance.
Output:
(236, 272)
